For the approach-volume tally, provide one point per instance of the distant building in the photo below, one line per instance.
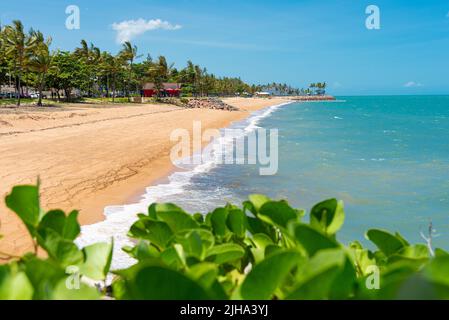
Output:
(168, 90)
(7, 89)
(262, 94)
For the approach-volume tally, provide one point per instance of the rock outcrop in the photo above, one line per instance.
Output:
(210, 103)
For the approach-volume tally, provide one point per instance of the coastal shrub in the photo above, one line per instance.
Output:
(263, 249)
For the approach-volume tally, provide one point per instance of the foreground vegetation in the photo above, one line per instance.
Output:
(27, 61)
(262, 250)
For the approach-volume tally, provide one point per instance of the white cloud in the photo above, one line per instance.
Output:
(128, 30)
(412, 84)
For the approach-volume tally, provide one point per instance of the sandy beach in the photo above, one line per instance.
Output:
(88, 157)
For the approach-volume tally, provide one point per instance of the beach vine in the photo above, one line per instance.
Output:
(261, 250)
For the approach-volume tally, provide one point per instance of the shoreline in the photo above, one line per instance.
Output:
(119, 218)
(78, 143)
(165, 178)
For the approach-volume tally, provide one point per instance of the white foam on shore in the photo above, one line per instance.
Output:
(120, 218)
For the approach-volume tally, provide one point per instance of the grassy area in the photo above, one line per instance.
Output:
(105, 100)
(28, 102)
(4, 102)
(13, 102)
(125, 100)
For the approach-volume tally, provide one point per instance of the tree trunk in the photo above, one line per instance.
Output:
(67, 95)
(107, 87)
(41, 88)
(129, 81)
(113, 89)
(18, 90)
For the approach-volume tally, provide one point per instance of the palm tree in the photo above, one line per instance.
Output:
(112, 66)
(40, 61)
(198, 80)
(129, 53)
(160, 72)
(18, 44)
(313, 86)
(90, 55)
(3, 60)
(83, 51)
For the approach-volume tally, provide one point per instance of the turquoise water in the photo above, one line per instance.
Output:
(386, 157)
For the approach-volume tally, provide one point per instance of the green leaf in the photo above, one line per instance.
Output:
(157, 232)
(193, 244)
(198, 217)
(143, 250)
(174, 217)
(278, 213)
(258, 200)
(174, 257)
(316, 277)
(363, 258)
(84, 292)
(344, 283)
(24, 201)
(218, 221)
(63, 251)
(440, 252)
(158, 283)
(415, 252)
(72, 227)
(205, 273)
(67, 227)
(328, 216)
(256, 225)
(437, 271)
(224, 253)
(312, 240)
(236, 222)
(44, 275)
(267, 276)
(14, 285)
(97, 261)
(260, 242)
(385, 241)
(196, 242)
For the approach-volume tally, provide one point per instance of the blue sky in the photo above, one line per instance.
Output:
(297, 42)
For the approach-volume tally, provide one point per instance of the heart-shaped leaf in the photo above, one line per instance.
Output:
(268, 275)
(225, 253)
(312, 240)
(236, 222)
(97, 261)
(24, 201)
(159, 283)
(278, 213)
(385, 241)
(328, 216)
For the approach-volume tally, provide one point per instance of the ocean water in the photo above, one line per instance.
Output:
(386, 157)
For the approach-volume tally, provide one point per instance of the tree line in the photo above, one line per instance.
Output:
(26, 60)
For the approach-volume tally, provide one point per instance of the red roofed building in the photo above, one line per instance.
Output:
(169, 90)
